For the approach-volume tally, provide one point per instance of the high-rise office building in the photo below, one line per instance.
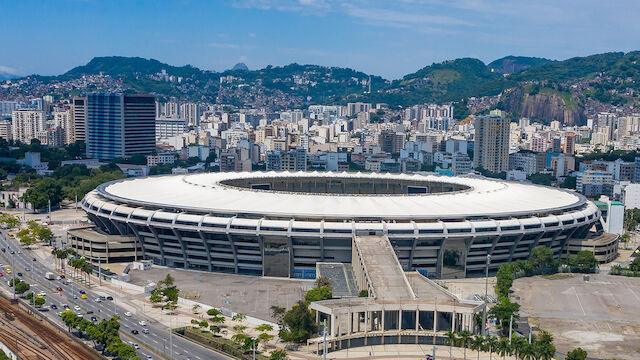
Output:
(120, 125)
(491, 146)
(79, 118)
(26, 124)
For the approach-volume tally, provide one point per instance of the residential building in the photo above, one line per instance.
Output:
(26, 123)
(491, 143)
(169, 127)
(79, 118)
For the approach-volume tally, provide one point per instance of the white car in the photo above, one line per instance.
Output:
(42, 293)
(98, 300)
(128, 314)
(76, 308)
(136, 346)
(68, 281)
(149, 357)
(145, 331)
(142, 323)
(58, 277)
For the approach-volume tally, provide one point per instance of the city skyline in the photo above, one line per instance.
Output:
(373, 37)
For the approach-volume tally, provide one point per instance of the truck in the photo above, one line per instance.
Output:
(49, 275)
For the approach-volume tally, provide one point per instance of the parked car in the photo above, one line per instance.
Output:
(142, 323)
(127, 314)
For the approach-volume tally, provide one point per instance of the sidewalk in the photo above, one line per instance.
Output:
(398, 352)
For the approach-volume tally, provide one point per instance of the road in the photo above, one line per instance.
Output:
(158, 337)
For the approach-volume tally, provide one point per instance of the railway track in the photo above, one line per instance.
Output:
(58, 345)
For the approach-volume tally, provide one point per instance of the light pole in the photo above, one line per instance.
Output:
(171, 337)
(253, 345)
(324, 343)
(486, 287)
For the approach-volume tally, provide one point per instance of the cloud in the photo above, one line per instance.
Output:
(8, 70)
(230, 46)
(252, 35)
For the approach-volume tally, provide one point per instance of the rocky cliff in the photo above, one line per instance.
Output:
(543, 107)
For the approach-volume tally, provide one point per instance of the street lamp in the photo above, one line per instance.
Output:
(486, 287)
(253, 344)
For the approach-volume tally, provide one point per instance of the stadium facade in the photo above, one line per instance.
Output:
(283, 223)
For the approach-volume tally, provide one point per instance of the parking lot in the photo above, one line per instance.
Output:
(599, 315)
(250, 295)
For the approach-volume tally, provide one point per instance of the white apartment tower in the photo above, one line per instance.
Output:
(26, 123)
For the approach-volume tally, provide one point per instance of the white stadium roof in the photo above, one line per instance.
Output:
(204, 192)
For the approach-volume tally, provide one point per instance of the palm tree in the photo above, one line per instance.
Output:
(464, 337)
(450, 339)
(527, 351)
(503, 348)
(517, 343)
(544, 350)
(490, 344)
(477, 343)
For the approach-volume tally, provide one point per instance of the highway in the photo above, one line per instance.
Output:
(158, 337)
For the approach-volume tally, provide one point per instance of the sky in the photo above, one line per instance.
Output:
(389, 38)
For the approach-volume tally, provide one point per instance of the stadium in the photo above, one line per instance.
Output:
(283, 223)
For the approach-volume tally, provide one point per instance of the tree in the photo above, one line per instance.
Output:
(214, 329)
(477, 344)
(239, 317)
(196, 308)
(216, 316)
(44, 234)
(264, 327)
(450, 339)
(194, 323)
(9, 220)
(503, 311)
(464, 340)
(239, 328)
(26, 237)
(43, 191)
(318, 294)
(277, 313)
(491, 343)
(278, 355)
(363, 293)
(635, 264)
(264, 338)
(39, 301)
(576, 354)
(584, 262)
(503, 348)
(298, 324)
(21, 286)
(322, 281)
(542, 259)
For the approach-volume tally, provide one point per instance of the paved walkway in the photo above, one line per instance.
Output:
(399, 352)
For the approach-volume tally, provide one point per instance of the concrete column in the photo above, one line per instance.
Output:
(435, 320)
(350, 323)
(333, 325)
(417, 319)
(453, 321)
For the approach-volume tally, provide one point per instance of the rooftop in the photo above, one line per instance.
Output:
(211, 192)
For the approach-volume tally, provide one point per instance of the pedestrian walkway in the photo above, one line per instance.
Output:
(399, 352)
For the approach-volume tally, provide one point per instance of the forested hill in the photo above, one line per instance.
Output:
(611, 78)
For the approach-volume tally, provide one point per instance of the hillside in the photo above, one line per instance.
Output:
(527, 86)
(513, 64)
(442, 82)
(129, 66)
